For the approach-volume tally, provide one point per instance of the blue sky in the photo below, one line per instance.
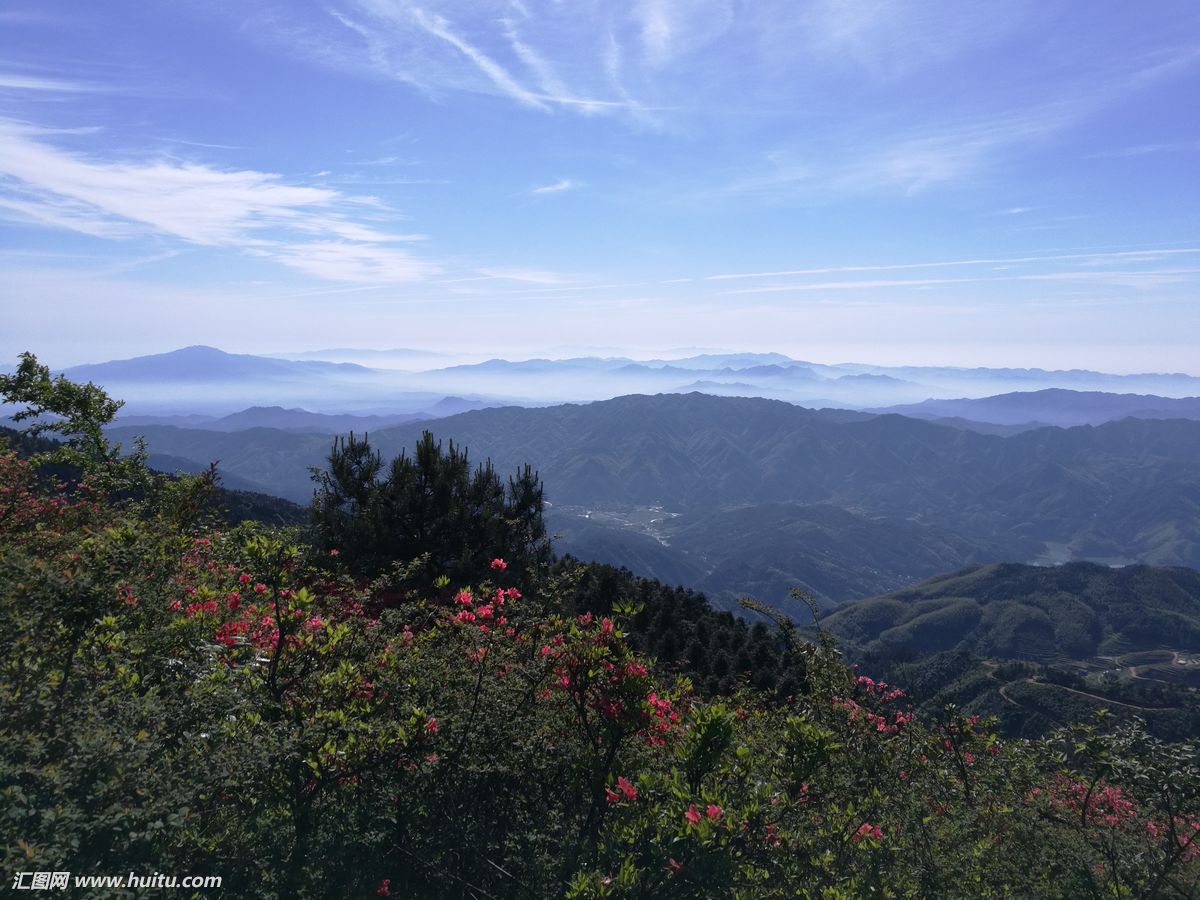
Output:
(1012, 183)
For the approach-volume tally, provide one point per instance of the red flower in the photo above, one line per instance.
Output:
(244, 578)
(431, 727)
(611, 796)
(692, 814)
(867, 830)
(385, 888)
(626, 788)
(499, 564)
(714, 811)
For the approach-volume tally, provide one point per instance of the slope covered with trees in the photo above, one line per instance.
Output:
(1040, 646)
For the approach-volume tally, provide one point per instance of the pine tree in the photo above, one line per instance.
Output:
(430, 513)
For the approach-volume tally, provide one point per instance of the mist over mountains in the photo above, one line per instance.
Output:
(204, 380)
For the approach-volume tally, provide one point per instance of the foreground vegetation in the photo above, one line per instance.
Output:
(180, 696)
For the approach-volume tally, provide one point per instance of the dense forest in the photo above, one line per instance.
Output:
(358, 708)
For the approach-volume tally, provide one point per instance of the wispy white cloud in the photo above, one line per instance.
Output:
(356, 262)
(544, 55)
(497, 74)
(312, 229)
(527, 276)
(1147, 280)
(1089, 258)
(556, 187)
(849, 285)
(17, 82)
(205, 145)
(1146, 150)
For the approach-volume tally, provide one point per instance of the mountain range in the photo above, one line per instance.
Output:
(749, 495)
(207, 381)
(301, 420)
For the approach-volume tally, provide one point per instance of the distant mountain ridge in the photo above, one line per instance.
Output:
(204, 380)
(302, 420)
(1053, 406)
(202, 363)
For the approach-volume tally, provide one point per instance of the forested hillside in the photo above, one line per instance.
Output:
(1038, 646)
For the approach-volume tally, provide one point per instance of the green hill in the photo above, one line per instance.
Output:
(1040, 646)
(1009, 611)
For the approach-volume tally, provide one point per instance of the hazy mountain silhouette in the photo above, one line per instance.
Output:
(200, 363)
(1053, 406)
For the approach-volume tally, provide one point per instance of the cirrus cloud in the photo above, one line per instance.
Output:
(313, 229)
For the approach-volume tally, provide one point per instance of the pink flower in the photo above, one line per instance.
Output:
(333, 552)
(431, 727)
(498, 564)
(692, 814)
(244, 578)
(260, 588)
(714, 811)
(626, 788)
(611, 796)
(385, 888)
